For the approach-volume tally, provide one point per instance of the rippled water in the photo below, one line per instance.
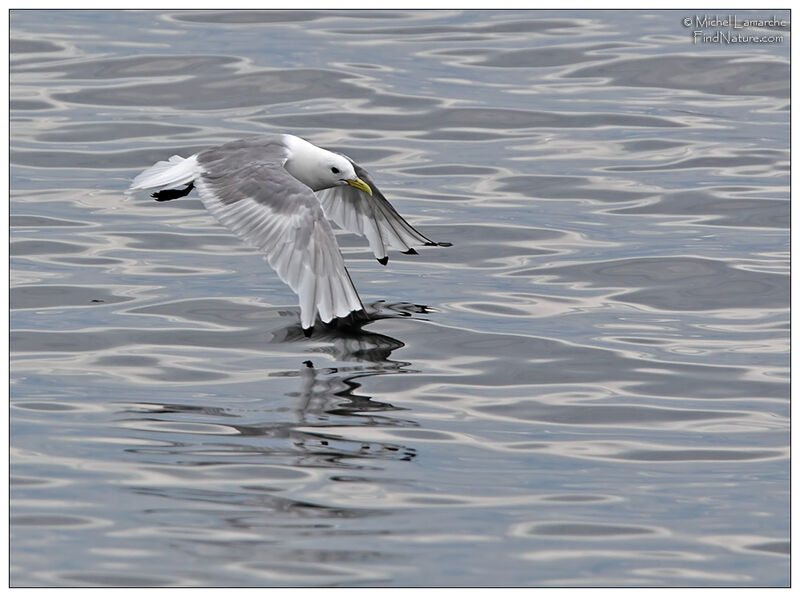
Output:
(589, 388)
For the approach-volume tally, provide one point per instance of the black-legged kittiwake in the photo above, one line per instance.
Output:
(277, 192)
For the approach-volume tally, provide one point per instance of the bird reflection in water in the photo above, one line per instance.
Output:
(239, 445)
(325, 405)
(328, 399)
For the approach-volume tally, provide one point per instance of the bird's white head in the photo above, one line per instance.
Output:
(319, 168)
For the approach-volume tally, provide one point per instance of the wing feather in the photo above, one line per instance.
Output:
(372, 217)
(278, 215)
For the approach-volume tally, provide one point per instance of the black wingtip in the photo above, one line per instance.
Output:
(435, 244)
(383, 260)
(411, 251)
(354, 319)
(308, 331)
(170, 194)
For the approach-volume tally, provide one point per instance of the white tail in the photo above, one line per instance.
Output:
(173, 172)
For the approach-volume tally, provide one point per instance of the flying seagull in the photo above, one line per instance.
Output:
(277, 193)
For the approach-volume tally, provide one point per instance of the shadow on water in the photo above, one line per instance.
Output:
(347, 337)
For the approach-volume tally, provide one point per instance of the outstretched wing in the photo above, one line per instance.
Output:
(273, 212)
(373, 217)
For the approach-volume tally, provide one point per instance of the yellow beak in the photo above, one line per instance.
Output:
(360, 185)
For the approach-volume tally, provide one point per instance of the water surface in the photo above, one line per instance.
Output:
(589, 388)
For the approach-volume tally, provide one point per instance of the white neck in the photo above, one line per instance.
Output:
(305, 162)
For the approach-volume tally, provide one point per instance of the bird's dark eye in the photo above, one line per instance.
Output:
(335, 170)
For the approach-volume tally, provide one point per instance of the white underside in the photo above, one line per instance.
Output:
(172, 172)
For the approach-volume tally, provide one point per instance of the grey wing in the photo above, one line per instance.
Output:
(275, 213)
(373, 217)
